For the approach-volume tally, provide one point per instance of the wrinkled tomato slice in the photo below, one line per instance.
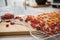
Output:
(52, 26)
(33, 25)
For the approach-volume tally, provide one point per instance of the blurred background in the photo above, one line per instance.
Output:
(18, 7)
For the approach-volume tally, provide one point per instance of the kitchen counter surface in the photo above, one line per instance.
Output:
(21, 37)
(18, 10)
(24, 37)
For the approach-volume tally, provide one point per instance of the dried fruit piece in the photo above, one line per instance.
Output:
(7, 25)
(17, 17)
(20, 18)
(33, 25)
(52, 26)
(12, 23)
(7, 20)
(7, 16)
(29, 18)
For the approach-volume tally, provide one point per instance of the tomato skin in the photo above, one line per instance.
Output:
(29, 18)
(35, 21)
(7, 25)
(38, 28)
(17, 17)
(26, 20)
(49, 31)
(45, 29)
(58, 27)
(42, 24)
(20, 18)
(33, 25)
(2, 17)
(7, 16)
(58, 24)
(52, 26)
(52, 31)
(12, 23)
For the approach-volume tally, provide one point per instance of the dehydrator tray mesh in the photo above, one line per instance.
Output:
(39, 35)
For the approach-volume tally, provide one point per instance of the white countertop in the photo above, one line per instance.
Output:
(18, 10)
(21, 37)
